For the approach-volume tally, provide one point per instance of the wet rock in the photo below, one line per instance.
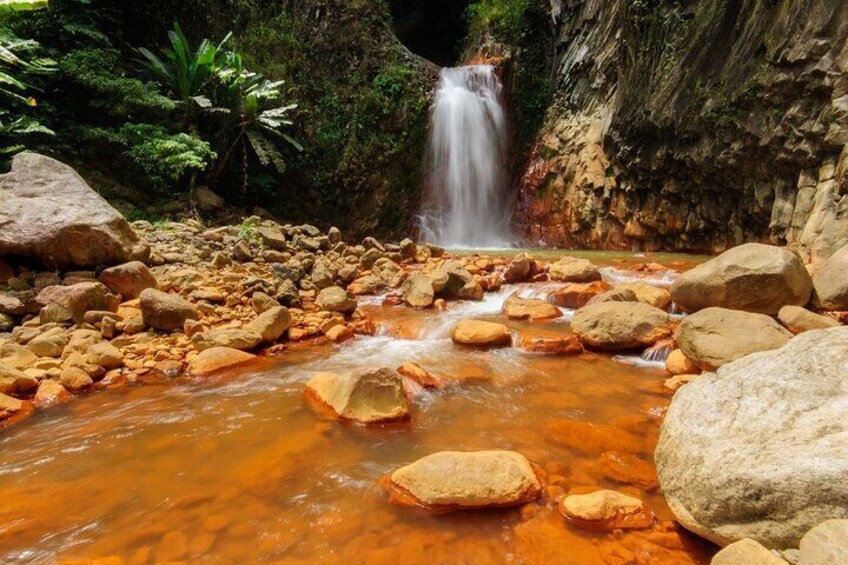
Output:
(367, 397)
(271, 324)
(614, 295)
(577, 295)
(164, 311)
(678, 364)
(128, 279)
(419, 375)
(606, 510)
(573, 269)
(9, 406)
(480, 333)
(563, 345)
(234, 338)
(79, 298)
(216, 359)
(649, 294)
(418, 291)
(339, 333)
(746, 552)
(520, 269)
(830, 285)
(50, 392)
(627, 469)
(336, 299)
(452, 480)
(620, 325)
(75, 379)
(799, 320)
(37, 221)
(716, 336)
(752, 277)
(826, 543)
(532, 308)
(772, 424)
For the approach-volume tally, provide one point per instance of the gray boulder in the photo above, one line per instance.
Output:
(752, 277)
(758, 450)
(48, 212)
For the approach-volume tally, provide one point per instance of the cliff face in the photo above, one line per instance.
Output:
(692, 125)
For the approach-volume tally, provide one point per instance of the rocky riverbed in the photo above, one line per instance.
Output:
(308, 398)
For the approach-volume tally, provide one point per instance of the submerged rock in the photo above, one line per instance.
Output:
(606, 510)
(752, 277)
(621, 325)
(716, 336)
(452, 480)
(367, 397)
(481, 334)
(757, 450)
(47, 211)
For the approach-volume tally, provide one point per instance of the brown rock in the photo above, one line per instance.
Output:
(606, 510)
(573, 269)
(235, 338)
(128, 279)
(75, 379)
(799, 320)
(368, 397)
(621, 325)
(105, 355)
(419, 375)
(164, 311)
(271, 324)
(49, 393)
(79, 298)
(216, 359)
(481, 334)
(336, 299)
(577, 295)
(452, 480)
(418, 291)
(568, 344)
(532, 308)
(649, 294)
(747, 552)
(678, 364)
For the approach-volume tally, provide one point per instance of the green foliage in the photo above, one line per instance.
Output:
(20, 62)
(167, 158)
(183, 70)
(504, 19)
(8, 6)
(247, 231)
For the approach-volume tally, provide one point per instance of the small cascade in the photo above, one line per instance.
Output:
(467, 204)
(658, 352)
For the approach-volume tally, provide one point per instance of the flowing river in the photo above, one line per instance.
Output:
(237, 469)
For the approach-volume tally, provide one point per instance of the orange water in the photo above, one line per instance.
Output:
(237, 469)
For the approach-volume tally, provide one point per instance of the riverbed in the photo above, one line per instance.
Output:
(238, 469)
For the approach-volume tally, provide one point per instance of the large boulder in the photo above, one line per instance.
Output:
(452, 480)
(831, 282)
(368, 397)
(799, 320)
(47, 211)
(165, 311)
(716, 336)
(757, 450)
(752, 277)
(826, 543)
(519, 308)
(621, 325)
(336, 299)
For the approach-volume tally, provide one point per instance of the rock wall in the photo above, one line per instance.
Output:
(692, 126)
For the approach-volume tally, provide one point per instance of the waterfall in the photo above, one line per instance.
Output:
(467, 205)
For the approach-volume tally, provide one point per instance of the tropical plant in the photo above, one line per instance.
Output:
(184, 71)
(253, 116)
(18, 62)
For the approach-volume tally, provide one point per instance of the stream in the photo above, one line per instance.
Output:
(237, 469)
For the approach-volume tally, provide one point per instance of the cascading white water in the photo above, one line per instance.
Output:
(467, 204)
